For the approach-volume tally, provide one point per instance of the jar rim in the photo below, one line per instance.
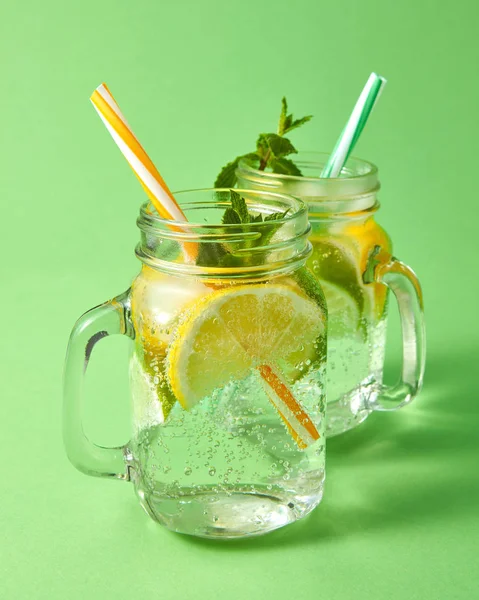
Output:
(355, 191)
(313, 158)
(295, 206)
(203, 244)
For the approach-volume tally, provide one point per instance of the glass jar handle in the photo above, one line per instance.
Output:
(109, 318)
(402, 281)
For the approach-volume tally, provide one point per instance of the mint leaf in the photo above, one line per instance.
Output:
(211, 254)
(284, 118)
(297, 123)
(276, 145)
(227, 175)
(238, 204)
(272, 229)
(251, 157)
(231, 217)
(276, 216)
(262, 147)
(284, 166)
(286, 122)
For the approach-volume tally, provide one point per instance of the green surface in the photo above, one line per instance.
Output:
(198, 80)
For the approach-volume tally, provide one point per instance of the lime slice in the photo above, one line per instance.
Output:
(336, 261)
(235, 329)
(343, 313)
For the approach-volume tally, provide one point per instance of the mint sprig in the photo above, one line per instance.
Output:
(271, 151)
(218, 254)
(239, 214)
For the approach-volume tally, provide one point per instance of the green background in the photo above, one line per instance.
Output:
(198, 80)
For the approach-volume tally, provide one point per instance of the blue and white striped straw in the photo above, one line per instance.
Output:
(356, 123)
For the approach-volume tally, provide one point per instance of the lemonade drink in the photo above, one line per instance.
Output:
(227, 367)
(227, 378)
(228, 362)
(346, 242)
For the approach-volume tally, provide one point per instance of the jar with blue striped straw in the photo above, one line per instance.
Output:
(352, 259)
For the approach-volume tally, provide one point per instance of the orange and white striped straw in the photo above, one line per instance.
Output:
(296, 419)
(151, 180)
(298, 422)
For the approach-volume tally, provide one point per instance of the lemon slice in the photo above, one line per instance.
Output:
(155, 302)
(340, 261)
(233, 330)
(367, 236)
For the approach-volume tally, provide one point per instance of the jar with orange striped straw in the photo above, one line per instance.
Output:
(227, 368)
(228, 361)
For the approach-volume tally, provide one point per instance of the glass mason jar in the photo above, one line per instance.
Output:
(352, 258)
(227, 369)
